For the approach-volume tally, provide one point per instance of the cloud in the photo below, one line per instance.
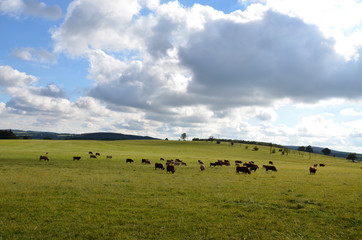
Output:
(32, 54)
(33, 8)
(10, 77)
(258, 62)
(89, 24)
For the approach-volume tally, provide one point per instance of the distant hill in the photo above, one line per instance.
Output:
(85, 136)
(318, 150)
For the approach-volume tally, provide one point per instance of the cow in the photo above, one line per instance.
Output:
(243, 169)
(98, 154)
(92, 156)
(76, 158)
(271, 162)
(322, 165)
(147, 161)
(128, 160)
(90, 152)
(171, 169)
(238, 162)
(253, 167)
(312, 170)
(183, 164)
(159, 165)
(109, 157)
(202, 167)
(315, 165)
(272, 168)
(45, 158)
(201, 162)
(162, 159)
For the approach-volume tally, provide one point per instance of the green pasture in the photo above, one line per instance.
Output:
(111, 199)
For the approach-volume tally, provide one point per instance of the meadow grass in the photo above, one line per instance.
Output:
(112, 199)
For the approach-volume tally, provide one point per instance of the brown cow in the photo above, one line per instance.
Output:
(171, 168)
(92, 156)
(98, 154)
(312, 170)
(201, 162)
(45, 158)
(128, 160)
(243, 169)
(272, 168)
(159, 165)
(76, 158)
(202, 167)
(147, 161)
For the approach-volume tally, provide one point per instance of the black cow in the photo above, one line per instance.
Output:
(45, 158)
(159, 165)
(243, 169)
(76, 158)
(201, 162)
(128, 160)
(312, 170)
(92, 156)
(171, 169)
(272, 168)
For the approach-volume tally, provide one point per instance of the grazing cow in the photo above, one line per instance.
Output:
(110, 157)
(201, 162)
(92, 156)
(271, 162)
(272, 168)
(202, 167)
(243, 169)
(147, 161)
(253, 167)
(45, 158)
(322, 165)
(171, 169)
(76, 158)
(312, 170)
(98, 154)
(128, 160)
(178, 160)
(183, 164)
(238, 162)
(159, 165)
(162, 159)
(90, 152)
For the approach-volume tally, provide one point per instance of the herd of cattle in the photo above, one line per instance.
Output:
(246, 167)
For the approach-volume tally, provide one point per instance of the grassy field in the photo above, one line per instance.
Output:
(110, 199)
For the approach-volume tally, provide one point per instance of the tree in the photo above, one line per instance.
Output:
(183, 136)
(301, 148)
(326, 151)
(309, 149)
(352, 156)
(4, 134)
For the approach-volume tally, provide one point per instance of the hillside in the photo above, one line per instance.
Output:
(318, 150)
(84, 136)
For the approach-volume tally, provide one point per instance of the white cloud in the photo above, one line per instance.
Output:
(10, 77)
(32, 54)
(16, 8)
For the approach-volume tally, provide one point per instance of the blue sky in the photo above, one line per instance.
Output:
(287, 72)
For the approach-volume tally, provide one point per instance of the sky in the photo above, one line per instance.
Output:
(282, 71)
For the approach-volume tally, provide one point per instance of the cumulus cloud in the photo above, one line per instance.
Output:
(32, 54)
(10, 77)
(33, 8)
